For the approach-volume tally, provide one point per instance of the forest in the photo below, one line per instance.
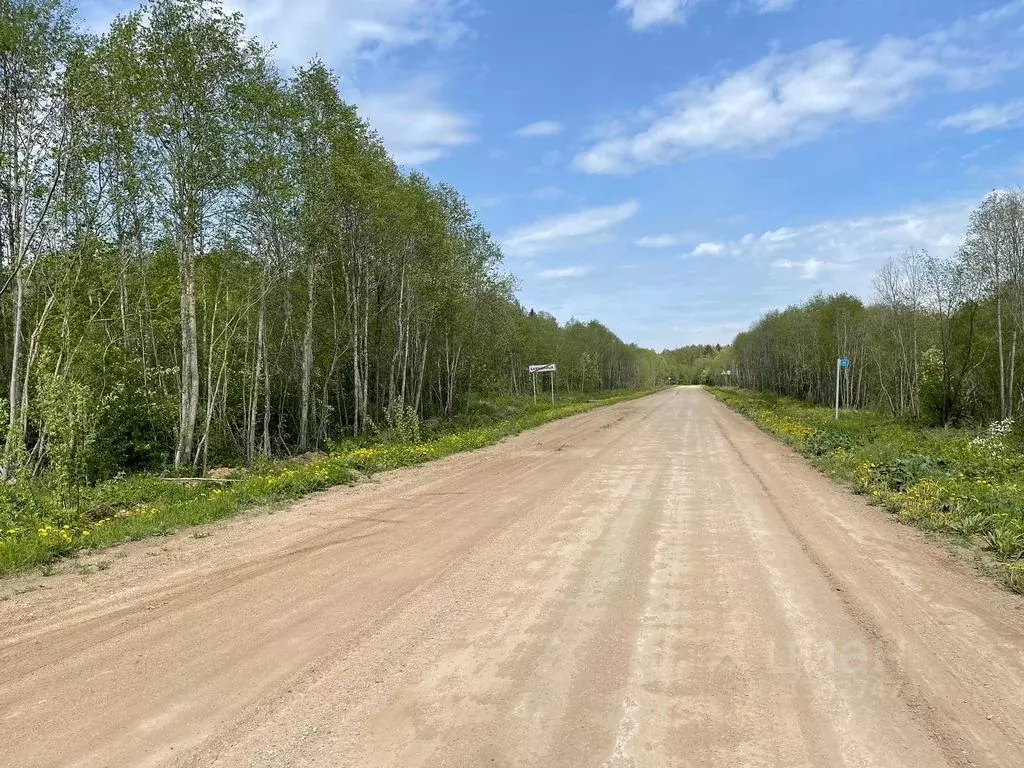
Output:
(206, 260)
(942, 341)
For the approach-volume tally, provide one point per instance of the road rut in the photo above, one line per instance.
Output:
(654, 583)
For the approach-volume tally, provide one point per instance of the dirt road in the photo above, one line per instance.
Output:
(651, 584)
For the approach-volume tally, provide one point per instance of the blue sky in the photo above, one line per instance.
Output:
(675, 168)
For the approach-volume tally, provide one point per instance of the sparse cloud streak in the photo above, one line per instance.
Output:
(561, 232)
(987, 117)
(540, 129)
(561, 273)
(646, 14)
(658, 241)
(806, 268)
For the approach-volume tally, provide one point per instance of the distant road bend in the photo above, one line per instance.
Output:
(650, 584)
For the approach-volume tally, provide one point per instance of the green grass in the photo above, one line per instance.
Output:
(35, 530)
(963, 483)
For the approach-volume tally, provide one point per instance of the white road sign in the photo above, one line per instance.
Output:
(549, 368)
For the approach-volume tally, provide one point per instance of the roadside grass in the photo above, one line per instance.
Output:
(967, 484)
(35, 530)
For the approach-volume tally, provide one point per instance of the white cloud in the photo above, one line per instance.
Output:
(658, 241)
(808, 268)
(550, 192)
(987, 117)
(415, 126)
(708, 249)
(544, 194)
(774, 6)
(343, 31)
(938, 227)
(651, 13)
(539, 129)
(560, 231)
(564, 272)
(789, 98)
(847, 252)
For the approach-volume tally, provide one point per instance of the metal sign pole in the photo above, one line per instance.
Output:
(548, 368)
(839, 369)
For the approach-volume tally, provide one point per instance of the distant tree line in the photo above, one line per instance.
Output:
(943, 339)
(203, 259)
(695, 364)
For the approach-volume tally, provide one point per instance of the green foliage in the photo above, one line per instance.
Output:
(1004, 535)
(226, 256)
(901, 472)
(1013, 577)
(70, 414)
(211, 262)
(697, 364)
(15, 454)
(931, 389)
(138, 419)
(403, 423)
(827, 441)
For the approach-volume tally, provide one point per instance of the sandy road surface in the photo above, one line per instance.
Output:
(650, 584)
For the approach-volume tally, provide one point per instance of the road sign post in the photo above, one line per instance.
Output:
(548, 368)
(841, 364)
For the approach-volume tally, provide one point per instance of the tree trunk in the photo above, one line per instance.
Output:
(250, 441)
(1002, 357)
(189, 403)
(14, 390)
(307, 359)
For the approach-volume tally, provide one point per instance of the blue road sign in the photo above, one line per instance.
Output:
(844, 363)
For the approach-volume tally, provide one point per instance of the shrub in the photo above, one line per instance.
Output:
(403, 423)
(1005, 537)
(71, 416)
(900, 473)
(828, 441)
(139, 420)
(1013, 577)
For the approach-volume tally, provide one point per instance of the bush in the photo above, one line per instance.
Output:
(403, 423)
(139, 420)
(1005, 537)
(71, 415)
(901, 473)
(828, 441)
